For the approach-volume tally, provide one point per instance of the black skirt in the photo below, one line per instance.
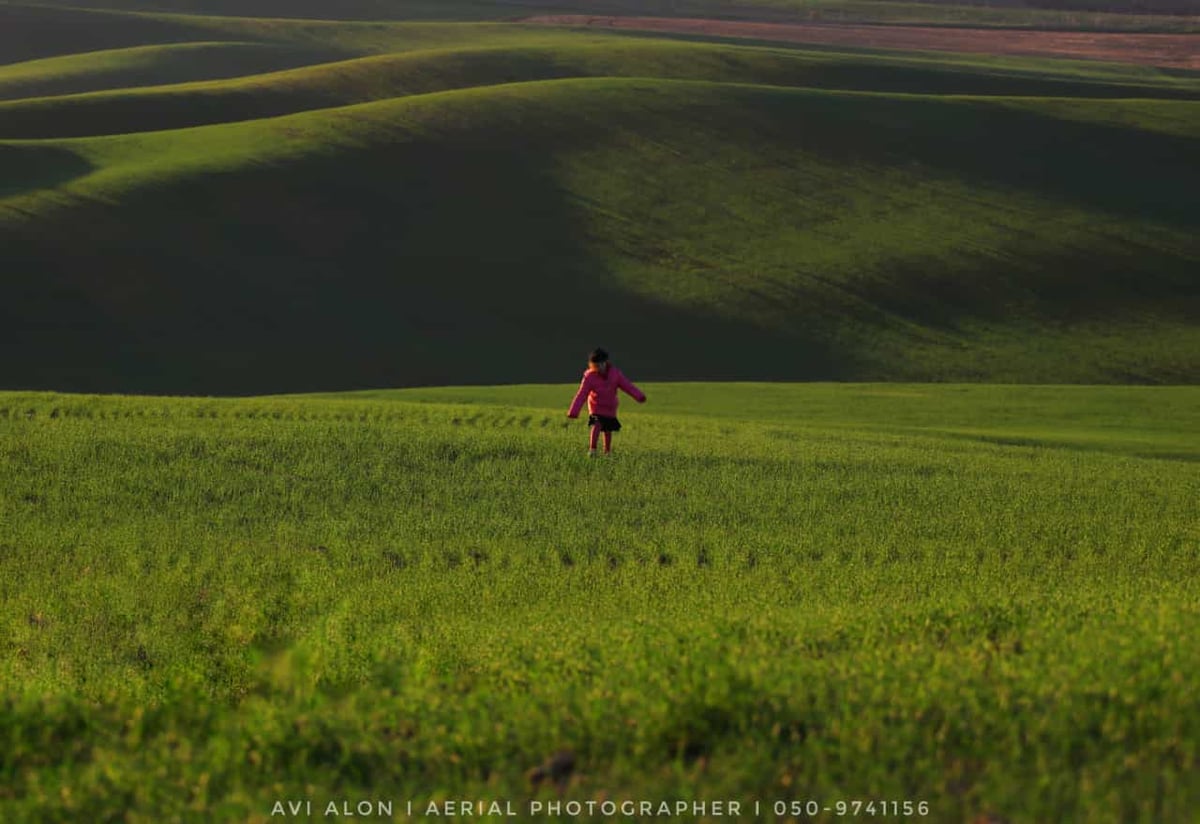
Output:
(606, 423)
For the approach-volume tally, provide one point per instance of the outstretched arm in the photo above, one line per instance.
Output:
(631, 390)
(580, 397)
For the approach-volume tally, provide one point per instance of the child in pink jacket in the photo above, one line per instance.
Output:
(599, 385)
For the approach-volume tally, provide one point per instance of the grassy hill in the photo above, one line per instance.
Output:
(388, 204)
(799, 233)
(982, 597)
(422, 71)
(149, 65)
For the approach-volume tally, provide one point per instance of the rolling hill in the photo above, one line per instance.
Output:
(421, 71)
(438, 203)
(148, 65)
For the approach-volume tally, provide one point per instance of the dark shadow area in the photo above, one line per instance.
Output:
(26, 168)
(183, 64)
(1125, 171)
(341, 84)
(1055, 288)
(29, 33)
(1142, 180)
(416, 264)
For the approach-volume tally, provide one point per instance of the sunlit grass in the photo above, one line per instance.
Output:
(980, 596)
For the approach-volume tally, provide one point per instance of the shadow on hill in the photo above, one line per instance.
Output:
(26, 168)
(1125, 171)
(332, 85)
(350, 81)
(152, 66)
(30, 33)
(345, 82)
(417, 264)
(1140, 180)
(1056, 286)
(1129, 175)
(444, 249)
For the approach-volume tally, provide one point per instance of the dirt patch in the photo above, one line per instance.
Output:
(1180, 51)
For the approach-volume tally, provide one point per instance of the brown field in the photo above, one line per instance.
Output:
(1181, 51)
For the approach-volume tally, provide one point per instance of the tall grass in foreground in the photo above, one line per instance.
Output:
(209, 605)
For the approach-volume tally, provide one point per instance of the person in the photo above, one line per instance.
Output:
(599, 386)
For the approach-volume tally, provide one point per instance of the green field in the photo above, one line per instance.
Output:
(983, 597)
(904, 519)
(281, 205)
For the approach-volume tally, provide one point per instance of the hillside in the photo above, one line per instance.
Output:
(380, 77)
(432, 203)
(149, 65)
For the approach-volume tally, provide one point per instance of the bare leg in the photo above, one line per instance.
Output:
(595, 436)
(608, 442)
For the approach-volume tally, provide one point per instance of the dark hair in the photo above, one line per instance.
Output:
(598, 356)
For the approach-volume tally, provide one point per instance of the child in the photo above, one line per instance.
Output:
(599, 385)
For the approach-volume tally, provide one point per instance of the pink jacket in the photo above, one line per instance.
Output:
(600, 389)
